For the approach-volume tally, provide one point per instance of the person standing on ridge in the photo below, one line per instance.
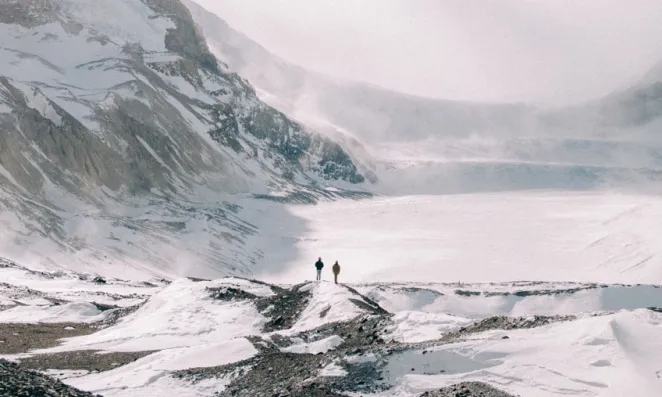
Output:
(319, 265)
(336, 271)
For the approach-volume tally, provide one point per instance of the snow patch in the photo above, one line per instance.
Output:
(77, 312)
(413, 327)
(320, 346)
(330, 303)
(8, 176)
(551, 360)
(154, 154)
(333, 370)
(513, 299)
(182, 314)
(257, 289)
(39, 102)
(142, 373)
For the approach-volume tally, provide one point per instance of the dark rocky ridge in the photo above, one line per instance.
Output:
(505, 323)
(468, 389)
(88, 360)
(18, 382)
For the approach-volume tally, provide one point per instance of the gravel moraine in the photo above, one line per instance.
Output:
(18, 382)
(505, 323)
(20, 338)
(468, 389)
(89, 360)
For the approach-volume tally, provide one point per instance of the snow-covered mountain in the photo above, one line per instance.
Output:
(122, 136)
(610, 142)
(144, 159)
(126, 146)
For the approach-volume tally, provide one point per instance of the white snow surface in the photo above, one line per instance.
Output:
(614, 355)
(182, 314)
(141, 374)
(333, 369)
(77, 312)
(320, 346)
(511, 299)
(413, 327)
(330, 299)
(482, 237)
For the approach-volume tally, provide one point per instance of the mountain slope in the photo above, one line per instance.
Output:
(114, 110)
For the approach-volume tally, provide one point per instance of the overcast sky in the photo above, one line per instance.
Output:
(501, 50)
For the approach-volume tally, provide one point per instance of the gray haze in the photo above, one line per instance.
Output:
(508, 50)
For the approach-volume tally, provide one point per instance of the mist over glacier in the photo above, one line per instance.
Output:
(557, 52)
(417, 145)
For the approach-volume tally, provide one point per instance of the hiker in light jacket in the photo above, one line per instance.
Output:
(336, 271)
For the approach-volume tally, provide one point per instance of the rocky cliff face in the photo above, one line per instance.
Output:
(118, 104)
(167, 99)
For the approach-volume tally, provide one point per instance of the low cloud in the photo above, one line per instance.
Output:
(509, 50)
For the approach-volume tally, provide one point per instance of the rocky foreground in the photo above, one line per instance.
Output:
(16, 381)
(300, 337)
(67, 334)
(277, 370)
(19, 382)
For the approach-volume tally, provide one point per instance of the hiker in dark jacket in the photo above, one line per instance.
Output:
(319, 265)
(336, 271)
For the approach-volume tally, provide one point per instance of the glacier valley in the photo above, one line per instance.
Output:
(166, 185)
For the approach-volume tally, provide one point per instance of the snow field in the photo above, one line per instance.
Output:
(77, 312)
(182, 314)
(443, 299)
(330, 299)
(612, 355)
(140, 375)
(63, 282)
(413, 327)
(496, 237)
